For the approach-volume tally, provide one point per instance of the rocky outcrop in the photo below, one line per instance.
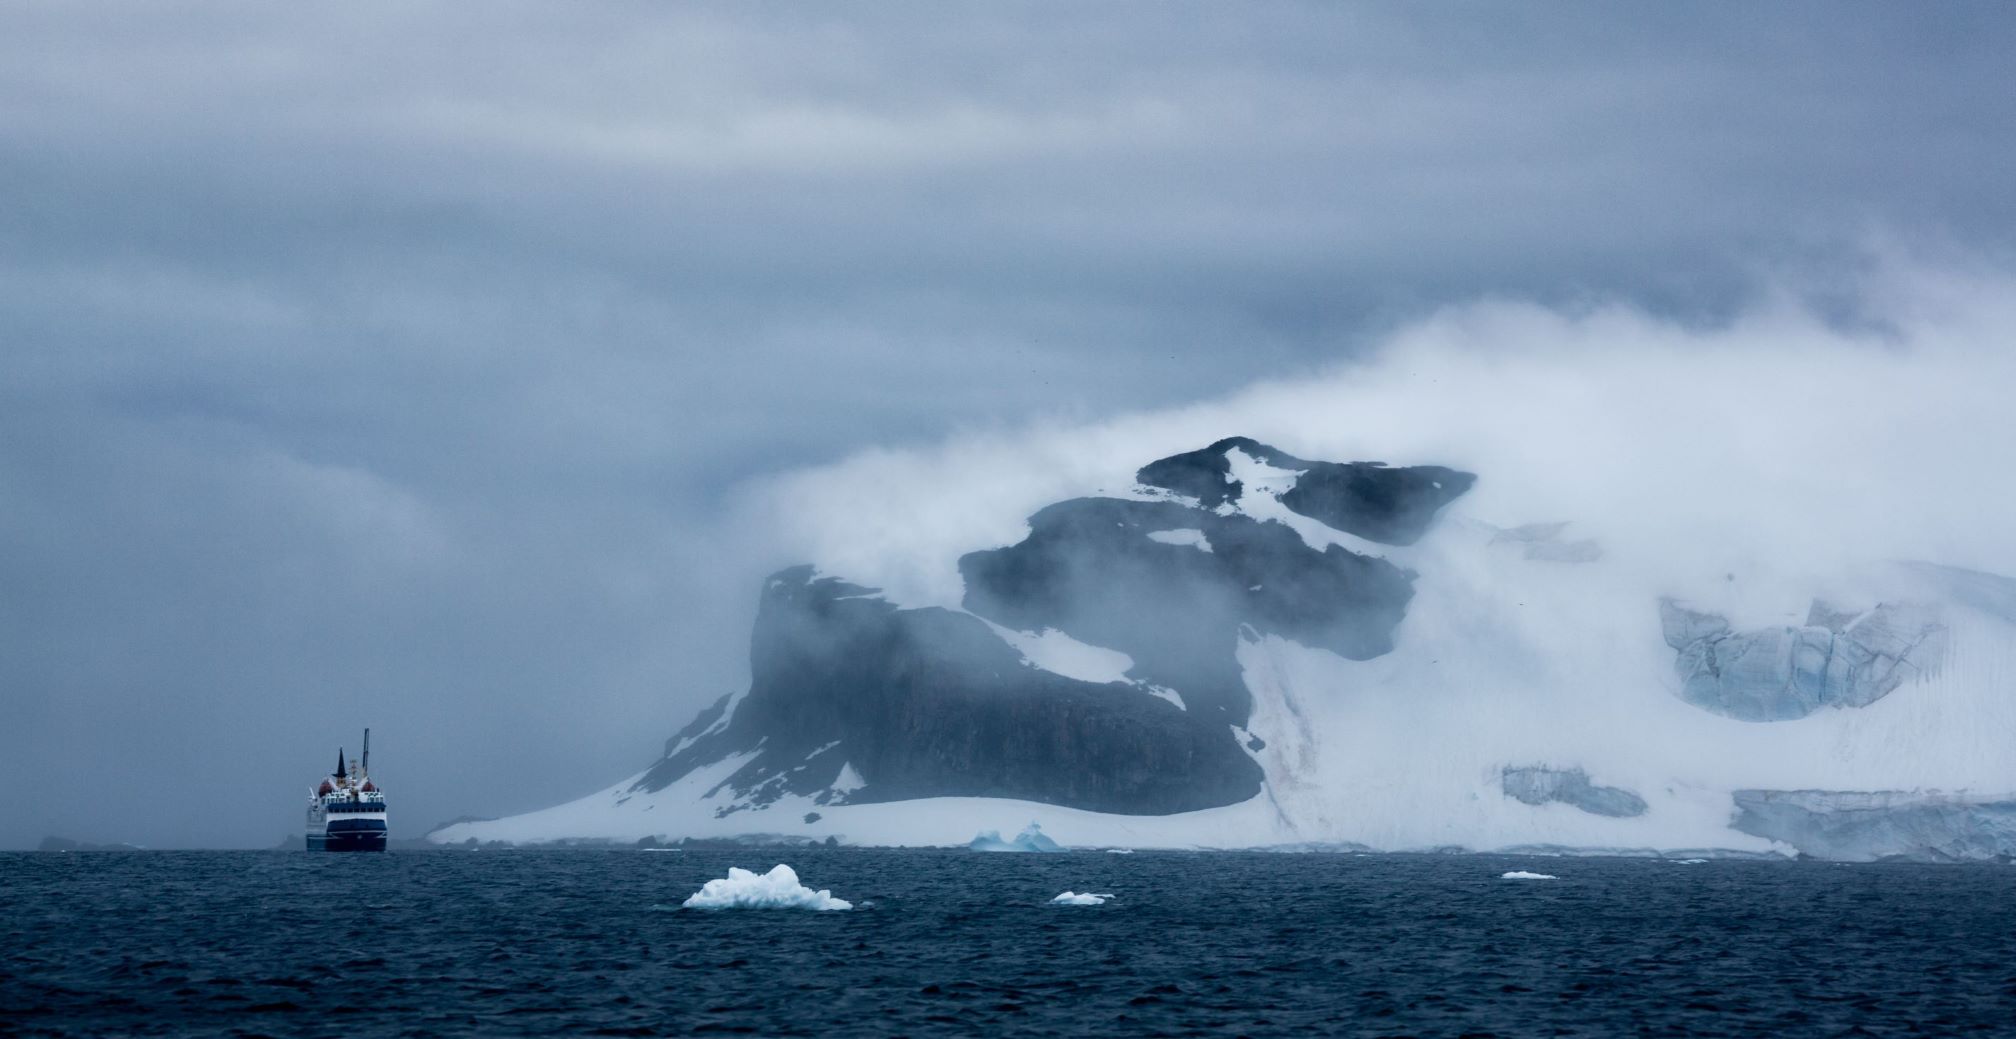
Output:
(1838, 658)
(930, 702)
(1091, 569)
(1539, 785)
(853, 700)
(1849, 826)
(1392, 506)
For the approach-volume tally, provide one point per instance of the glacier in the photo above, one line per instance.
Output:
(1368, 656)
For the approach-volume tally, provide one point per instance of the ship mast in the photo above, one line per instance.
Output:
(367, 753)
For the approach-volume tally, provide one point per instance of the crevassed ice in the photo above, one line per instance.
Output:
(777, 889)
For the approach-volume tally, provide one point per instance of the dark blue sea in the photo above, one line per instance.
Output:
(579, 943)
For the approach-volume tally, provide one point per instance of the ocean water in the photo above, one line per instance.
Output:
(958, 943)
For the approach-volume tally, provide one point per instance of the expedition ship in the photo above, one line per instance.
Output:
(347, 812)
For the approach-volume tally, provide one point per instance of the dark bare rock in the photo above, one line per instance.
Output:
(1392, 506)
(854, 700)
(1090, 569)
(931, 703)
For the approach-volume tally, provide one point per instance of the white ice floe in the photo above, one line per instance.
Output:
(1030, 839)
(1071, 898)
(1689, 862)
(1520, 874)
(777, 889)
(1119, 851)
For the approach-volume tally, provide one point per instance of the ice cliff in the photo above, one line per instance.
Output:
(1864, 827)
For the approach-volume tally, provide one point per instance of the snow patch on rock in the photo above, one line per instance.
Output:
(847, 781)
(1054, 651)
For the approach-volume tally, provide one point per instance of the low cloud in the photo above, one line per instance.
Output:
(1780, 445)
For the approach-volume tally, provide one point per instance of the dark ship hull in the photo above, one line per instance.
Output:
(350, 835)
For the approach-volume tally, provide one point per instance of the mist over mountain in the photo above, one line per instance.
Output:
(1564, 594)
(455, 370)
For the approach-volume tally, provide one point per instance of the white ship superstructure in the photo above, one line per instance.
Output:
(347, 811)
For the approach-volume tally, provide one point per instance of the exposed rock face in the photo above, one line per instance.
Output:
(1838, 659)
(1369, 499)
(854, 700)
(1867, 826)
(1091, 569)
(1539, 785)
(924, 703)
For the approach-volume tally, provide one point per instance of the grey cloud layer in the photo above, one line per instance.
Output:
(390, 364)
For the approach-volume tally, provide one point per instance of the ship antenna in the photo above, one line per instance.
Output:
(367, 752)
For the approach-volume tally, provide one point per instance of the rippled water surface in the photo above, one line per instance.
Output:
(582, 943)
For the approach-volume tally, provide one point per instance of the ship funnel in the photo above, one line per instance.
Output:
(367, 752)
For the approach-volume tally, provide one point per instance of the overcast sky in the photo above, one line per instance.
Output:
(399, 364)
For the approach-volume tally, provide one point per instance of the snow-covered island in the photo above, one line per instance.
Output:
(1250, 649)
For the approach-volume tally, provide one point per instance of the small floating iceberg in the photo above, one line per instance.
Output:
(777, 889)
(1520, 874)
(1071, 898)
(1030, 839)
